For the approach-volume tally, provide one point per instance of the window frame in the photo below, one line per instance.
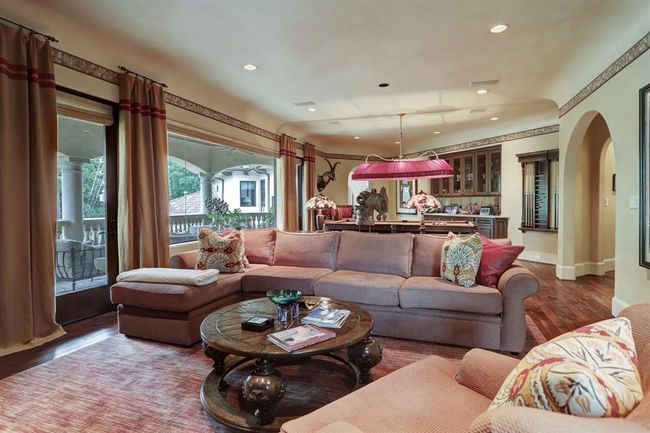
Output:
(547, 157)
(254, 195)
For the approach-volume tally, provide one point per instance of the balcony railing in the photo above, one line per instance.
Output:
(189, 224)
(94, 230)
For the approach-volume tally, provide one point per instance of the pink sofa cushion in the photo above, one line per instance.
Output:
(310, 250)
(258, 245)
(360, 287)
(439, 294)
(375, 253)
(283, 277)
(426, 255)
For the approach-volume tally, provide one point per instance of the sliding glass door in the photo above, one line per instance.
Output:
(86, 224)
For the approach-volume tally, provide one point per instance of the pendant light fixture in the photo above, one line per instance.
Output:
(420, 167)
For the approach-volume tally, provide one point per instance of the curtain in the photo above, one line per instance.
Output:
(28, 158)
(143, 195)
(309, 152)
(289, 161)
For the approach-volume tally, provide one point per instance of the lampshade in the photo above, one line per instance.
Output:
(321, 201)
(423, 201)
(404, 169)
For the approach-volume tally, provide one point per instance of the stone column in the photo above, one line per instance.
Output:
(206, 190)
(72, 197)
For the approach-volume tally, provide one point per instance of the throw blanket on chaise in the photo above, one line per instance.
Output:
(188, 277)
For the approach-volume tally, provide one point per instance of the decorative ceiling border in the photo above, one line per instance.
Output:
(621, 63)
(87, 67)
(550, 129)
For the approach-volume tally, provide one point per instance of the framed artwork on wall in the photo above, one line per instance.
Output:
(644, 171)
(405, 190)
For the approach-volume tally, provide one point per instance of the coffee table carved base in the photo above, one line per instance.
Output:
(365, 355)
(263, 388)
(218, 358)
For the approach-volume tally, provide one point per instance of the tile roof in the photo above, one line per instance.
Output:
(189, 204)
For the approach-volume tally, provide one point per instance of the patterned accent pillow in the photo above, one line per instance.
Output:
(222, 252)
(460, 259)
(592, 372)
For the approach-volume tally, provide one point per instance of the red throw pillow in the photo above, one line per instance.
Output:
(495, 260)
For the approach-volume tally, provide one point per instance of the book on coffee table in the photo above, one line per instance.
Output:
(327, 317)
(301, 336)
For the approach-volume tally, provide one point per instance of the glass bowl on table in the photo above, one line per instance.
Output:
(286, 305)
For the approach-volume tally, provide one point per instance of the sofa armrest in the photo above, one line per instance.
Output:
(484, 372)
(529, 420)
(516, 284)
(184, 260)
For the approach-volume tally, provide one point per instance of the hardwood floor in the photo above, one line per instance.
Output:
(559, 307)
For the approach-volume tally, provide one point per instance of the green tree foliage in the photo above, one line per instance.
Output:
(182, 181)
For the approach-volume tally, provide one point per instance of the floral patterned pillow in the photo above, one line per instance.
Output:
(592, 372)
(460, 259)
(222, 252)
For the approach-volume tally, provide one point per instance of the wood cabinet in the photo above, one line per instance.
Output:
(478, 172)
(492, 227)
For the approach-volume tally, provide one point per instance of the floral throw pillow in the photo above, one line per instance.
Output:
(222, 252)
(592, 372)
(460, 259)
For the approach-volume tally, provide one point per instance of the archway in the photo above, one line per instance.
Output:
(587, 225)
(355, 187)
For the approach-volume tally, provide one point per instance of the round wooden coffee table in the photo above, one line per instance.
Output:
(229, 347)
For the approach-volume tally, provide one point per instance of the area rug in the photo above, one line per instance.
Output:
(128, 385)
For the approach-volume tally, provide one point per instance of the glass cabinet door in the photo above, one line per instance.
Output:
(456, 165)
(481, 173)
(495, 172)
(436, 186)
(468, 173)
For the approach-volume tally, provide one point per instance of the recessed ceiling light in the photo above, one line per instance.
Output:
(436, 132)
(397, 142)
(357, 137)
(250, 67)
(384, 84)
(499, 28)
(494, 118)
(482, 91)
(312, 109)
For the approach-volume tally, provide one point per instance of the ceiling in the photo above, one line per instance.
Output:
(336, 52)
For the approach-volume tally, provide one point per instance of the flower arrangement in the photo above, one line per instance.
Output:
(321, 201)
(423, 202)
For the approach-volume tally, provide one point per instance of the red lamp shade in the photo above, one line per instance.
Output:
(403, 169)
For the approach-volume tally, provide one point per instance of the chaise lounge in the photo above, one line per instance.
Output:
(396, 277)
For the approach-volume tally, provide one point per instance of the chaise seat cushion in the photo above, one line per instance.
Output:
(421, 397)
(440, 294)
(360, 287)
(283, 277)
(175, 297)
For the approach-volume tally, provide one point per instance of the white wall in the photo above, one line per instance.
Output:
(231, 190)
(618, 102)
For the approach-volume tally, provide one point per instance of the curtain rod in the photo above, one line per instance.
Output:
(122, 68)
(22, 27)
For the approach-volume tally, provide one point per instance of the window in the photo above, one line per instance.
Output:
(81, 206)
(247, 191)
(201, 171)
(540, 190)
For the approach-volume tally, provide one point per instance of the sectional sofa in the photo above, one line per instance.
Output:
(394, 276)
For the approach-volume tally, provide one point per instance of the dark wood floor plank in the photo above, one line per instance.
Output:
(559, 307)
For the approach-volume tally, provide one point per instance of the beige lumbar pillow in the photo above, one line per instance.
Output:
(592, 372)
(461, 258)
(222, 252)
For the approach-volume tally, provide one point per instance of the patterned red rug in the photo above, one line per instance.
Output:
(127, 385)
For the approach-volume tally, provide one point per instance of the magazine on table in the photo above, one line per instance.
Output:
(327, 317)
(301, 336)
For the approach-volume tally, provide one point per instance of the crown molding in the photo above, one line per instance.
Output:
(621, 63)
(550, 129)
(87, 67)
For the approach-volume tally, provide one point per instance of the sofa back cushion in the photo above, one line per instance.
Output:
(426, 255)
(307, 250)
(258, 245)
(375, 253)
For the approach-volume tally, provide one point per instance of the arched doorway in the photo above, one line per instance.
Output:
(588, 220)
(355, 187)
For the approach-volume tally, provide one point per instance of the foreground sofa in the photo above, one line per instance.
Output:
(435, 395)
(396, 277)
